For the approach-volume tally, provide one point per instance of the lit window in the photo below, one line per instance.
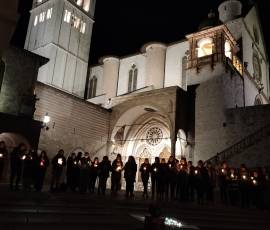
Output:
(41, 17)
(36, 21)
(67, 16)
(205, 47)
(49, 13)
(82, 27)
(86, 5)
(79, 2)
(228, 49)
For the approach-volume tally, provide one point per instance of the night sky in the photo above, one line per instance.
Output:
(123, 26)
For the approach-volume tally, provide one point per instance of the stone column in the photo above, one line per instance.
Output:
(155, 64)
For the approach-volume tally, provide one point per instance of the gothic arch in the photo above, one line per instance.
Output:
(258, 100)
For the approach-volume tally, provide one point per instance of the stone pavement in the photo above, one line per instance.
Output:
(74, 211)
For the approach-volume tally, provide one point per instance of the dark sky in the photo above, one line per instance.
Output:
(123, 26)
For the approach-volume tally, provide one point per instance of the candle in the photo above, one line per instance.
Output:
(1, 155)
(75, 162)
(60, 161)
(144, 168)
(244, 177)
(181, 166)
(170, 165)
(196, 171)
(232, 176)
(252, 178)
(155, 169)
(222, 170)
(23, 157)
(254, 182)
(95, 165)
(118, 168)
(41, 163)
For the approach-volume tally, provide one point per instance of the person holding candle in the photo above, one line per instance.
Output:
(58, 165)
(191, 180)
(145, 173)
(77, 170)
(233, 187)
(3, 155)
(42, 165)
(162, 179)
(29, 169)
(201, 178)
(117, 167)
(84, 175)
(71, 172)
(155, 177)
(244, 186)
(104, 172)
(223, 182)
(93, 174)
(16, 161)
(182, 179)
(130, 170)
(171, 179)
(258, 184)
(212, 181)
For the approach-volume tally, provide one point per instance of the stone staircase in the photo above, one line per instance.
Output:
(247, 148)
(66, 211)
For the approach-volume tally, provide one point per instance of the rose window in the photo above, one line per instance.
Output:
(154, 136)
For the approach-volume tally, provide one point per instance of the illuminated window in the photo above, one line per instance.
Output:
(67, 16)
(41, 17)
(49, 13)
(36, 21)
(228, 49)
(82, 27)
(132, 78)
(86, 5)
(205, 47)
(79, 2)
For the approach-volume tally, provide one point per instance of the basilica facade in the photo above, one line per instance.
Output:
(191, 98)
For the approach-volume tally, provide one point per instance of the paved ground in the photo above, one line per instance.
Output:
(57, 211)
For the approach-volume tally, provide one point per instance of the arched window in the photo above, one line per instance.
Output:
(205, 47)
(132, 78)
(228, 49)
(258, 100)
(92, 87)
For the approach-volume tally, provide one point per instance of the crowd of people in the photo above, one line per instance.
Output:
(172, 180)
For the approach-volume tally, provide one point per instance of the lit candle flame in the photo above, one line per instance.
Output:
(244, 177)
(23, 157)
(118, 168)
(144, 168)
(222, 170)
(232, 176)
(196, 171)
(1, 155)
(42, 163)
(60, 161)
(95, 165)
(254, 182)
(155, 169)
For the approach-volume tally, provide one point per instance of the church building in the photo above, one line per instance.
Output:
(195, 98)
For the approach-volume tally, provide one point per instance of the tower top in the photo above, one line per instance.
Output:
(229, 10)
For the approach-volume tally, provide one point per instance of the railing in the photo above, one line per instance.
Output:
(241, 145)
(237, 65)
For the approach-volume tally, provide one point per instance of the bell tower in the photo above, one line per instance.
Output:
(61, 30)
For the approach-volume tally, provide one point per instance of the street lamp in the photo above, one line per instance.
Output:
(46, 120)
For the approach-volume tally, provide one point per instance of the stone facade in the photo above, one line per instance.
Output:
(76, 125)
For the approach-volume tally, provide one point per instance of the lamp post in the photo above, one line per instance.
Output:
(46, 120)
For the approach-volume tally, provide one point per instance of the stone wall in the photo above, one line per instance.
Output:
(75, 124)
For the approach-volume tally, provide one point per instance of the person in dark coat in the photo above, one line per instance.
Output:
(42, 165)
(77, 170)
(155, 177)
(71, 173)
(130, 169)
(191, 181)
(58, 165)
(170, 181)
(16, 158)
(84, 175)
(223, 176)
(211, 183)
(244, 185)
(162, 179)
(3, 157)
(145, 170)
(29, 169)
(183, 179)
(93, 174)
(233, 187)
(201, 178)
(258, 185)
(104, 172)
(117, 167)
